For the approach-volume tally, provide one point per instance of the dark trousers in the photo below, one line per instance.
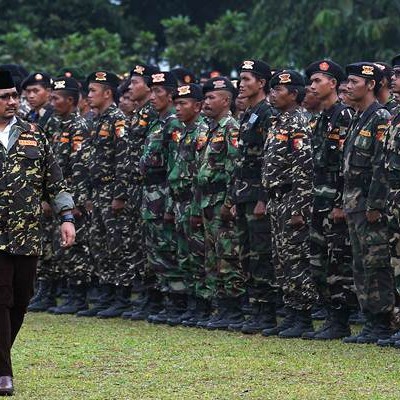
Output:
(17, 274)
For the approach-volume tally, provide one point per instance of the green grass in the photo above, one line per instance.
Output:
(71, 358)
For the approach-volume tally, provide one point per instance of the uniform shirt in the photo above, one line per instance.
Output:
(245, 185)
(392, 152)
(365, 183)
(327, 141)
(29, 174)
(288, 161)
(392, 106)
(216, 161)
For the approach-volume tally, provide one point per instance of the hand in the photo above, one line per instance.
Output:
(196, 222)
(89, 206)
(67, 230)
(117, 205)
(233, 211)
(373, 216)
(225, 213)
(260, 209)
(47, 210)
(76, 212)
(169, 218)
(338, 215)
(297, 221)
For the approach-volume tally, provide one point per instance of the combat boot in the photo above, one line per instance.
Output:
(365, 331)
(201, 312)
(319, 313)
(47, 297)
(326, 325)
(263, 317)
(121, 304)
(381, 329)
(104, 301)
(288, 321)
(390, 341)
(153, 305)
(136, 305)
(302, 324)
(357, 318)
(338, 326)
(77, 301)
(231, 313)
(179, 310)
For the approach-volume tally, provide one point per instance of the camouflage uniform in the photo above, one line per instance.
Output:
(330, 250)
(366, 188)
(224, 277)
(157, 159)
(287, 173)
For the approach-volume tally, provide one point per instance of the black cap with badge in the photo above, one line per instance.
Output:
(218, 83)
(191, 91)
(287, 77)
(104, 78)
(37, 78)
(64, 83)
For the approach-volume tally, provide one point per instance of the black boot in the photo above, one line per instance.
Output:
(319, 312)
(338, 326)
(381, 329)
(263, 317)
(46, 297)
(365, 331)
(357, 318)
(135, 305)
(229, 312)
(153, 305)
(77, 301)
(390, 341)
(290, 316)
(302, 324)
(105, 299)
(121, 303)
(182, 309)
(201, 312)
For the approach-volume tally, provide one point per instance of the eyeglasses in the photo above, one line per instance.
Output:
(8, 96)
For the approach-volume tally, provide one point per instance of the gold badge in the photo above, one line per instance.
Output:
(157, 78)
(38, 77)
(183, 90)
(248, 64)
(324, 66)
(101, 76)
(139, 69)
(284, 78)
(59, 85)
(367, 70)
(219, 84)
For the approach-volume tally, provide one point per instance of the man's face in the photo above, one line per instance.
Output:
(357, 88)
(37, 96)
(396, 80)
(311, 102)
(160, 99)
(215, 103)
(321, 85)
(187, 109)
(138, 88)
(96, 95)
(249, 85)
(280, 97)
(241, 103)
(9, 102)
(126, 104)
(61, 104)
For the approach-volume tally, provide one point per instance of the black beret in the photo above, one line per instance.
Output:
(104, 78)
(183, 75)
(366, 70)
(326, 67)
(396, 61)
(71, 72)
(257, 67)
(287, 77)
(144, 70)
(386, 69)
(218, 83)
(6, 80)
(190, 91)
(64, 83)
(37, 78)
(166, 79)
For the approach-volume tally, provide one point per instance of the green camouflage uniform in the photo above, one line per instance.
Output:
(287, 175)
(366, 188)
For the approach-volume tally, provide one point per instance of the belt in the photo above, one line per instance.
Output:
(155, 178)
(278, 192)
(213, 188)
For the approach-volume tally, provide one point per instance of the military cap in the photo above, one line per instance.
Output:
(161, 78)
(69, 72)
(257, 67)
(37, 78)
(18, 72)
(190, 91)
(64, 83)
(386, 69)
(183, 75)
(396, 61)
(287, 77)
(144, 70)
(6, 80)
(218, 83)
(365, 70)
(104, 78)
(326, 67)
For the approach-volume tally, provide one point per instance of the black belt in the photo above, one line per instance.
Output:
(213, 188)
(278, 192)
(155, 178)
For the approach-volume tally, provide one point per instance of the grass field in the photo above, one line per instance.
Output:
(70, 358)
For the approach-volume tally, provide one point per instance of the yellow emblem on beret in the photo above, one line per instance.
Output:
(157, 78)
(219, 84)
(367, 70)
(324, 66)
(139, 69)
(248, 64)
(101, 76)
(59, 85)
(38, 77)
(285, 78)
(183, 90)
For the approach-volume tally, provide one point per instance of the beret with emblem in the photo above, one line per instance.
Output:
(190, 91)
(327, 67)
(287, 77)
(104, 78)
(257, 67)
(183, 75)
(396, 61)
(6, 80)
(145, 70)
(218, 83)
(64, 83)
(37, 78)
(161, 78)
(365, 70)
(386, 69)
(71, 72)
